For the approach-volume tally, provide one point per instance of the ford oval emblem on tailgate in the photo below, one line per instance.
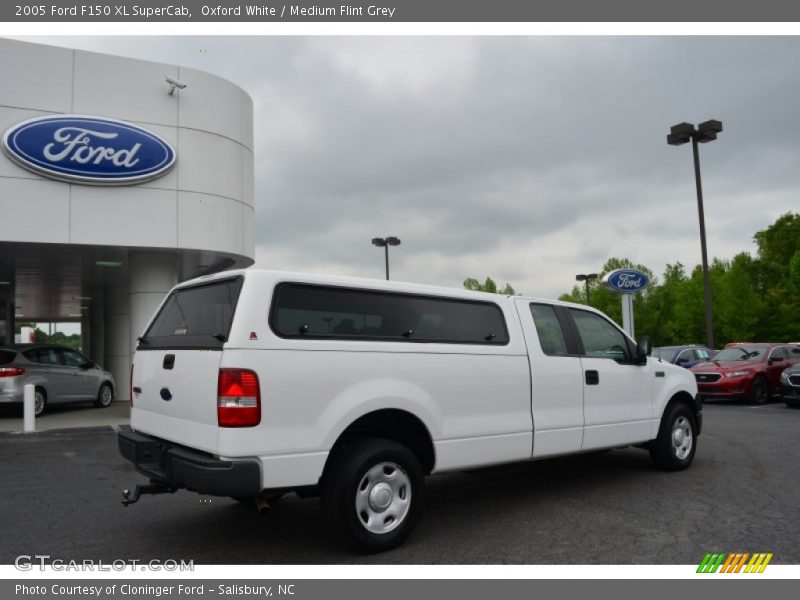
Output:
(166, 394)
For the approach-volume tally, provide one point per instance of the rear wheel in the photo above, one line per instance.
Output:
(674, 448)
(759, 391)
(372, 494)
(105, 396)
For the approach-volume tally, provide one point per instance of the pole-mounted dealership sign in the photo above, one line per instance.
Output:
(88, 150)
(627, 282)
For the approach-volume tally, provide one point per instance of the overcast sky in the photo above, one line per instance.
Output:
(529, 159)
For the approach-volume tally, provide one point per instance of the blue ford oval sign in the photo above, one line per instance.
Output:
(626, 281)
(91, 150)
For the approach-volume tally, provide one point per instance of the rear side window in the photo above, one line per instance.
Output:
(43, 356)
(195, 317)
(311, 311)
(7, 357)
(551, 336)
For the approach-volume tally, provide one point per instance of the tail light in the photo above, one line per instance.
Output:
(238, 398)
(11, 371)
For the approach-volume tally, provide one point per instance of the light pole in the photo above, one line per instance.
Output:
(706, 132)
(385, 243)
(586, 279)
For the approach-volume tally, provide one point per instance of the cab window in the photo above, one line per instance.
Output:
(551, 336)
(600, 338)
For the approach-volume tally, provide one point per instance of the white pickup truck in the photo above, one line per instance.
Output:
(250, 384)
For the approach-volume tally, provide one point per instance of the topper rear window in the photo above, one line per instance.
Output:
(196, 317)
(324, 312)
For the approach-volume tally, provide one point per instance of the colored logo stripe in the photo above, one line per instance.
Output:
(735, 562)
(711, 562)
(758, 563)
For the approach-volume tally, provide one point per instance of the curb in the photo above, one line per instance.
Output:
(62, 431)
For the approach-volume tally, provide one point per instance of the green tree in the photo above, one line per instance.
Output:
(753, 298)
(488, 286)
(738, 308)
(776, 271)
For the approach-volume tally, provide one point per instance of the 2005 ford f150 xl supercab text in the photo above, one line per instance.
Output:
(250, 384)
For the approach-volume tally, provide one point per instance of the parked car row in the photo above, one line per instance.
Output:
(742, 370)
(686, 356)
(60, 376)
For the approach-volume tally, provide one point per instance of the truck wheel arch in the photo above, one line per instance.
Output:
(397, 425)
(682, 397)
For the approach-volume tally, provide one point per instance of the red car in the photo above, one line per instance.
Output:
(744, 370)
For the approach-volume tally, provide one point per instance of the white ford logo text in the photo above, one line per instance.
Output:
(629, 281)
(75, 144)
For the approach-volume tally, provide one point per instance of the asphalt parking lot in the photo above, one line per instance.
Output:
(61, 497)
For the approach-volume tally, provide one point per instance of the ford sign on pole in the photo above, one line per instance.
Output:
(627, 282)
(89, 150)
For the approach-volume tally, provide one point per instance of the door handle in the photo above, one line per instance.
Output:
(592, 377)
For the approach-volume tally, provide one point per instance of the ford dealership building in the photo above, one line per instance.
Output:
(118, 178)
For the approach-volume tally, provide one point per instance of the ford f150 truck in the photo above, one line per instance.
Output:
(250, 384)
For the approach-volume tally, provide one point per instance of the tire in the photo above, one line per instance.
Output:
(105, 396)
(674, 448)
(759, 391)
(39, 402)
(372, 494)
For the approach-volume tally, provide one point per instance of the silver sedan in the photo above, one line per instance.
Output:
(61, 375)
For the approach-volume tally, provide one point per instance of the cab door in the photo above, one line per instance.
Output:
(82, 379)
(556, 379)
(617, 390)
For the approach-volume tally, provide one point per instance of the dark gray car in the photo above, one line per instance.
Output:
(61, 375)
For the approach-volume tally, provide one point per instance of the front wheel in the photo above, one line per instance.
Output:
(759, 391)
(104, 397)
(674, 448)
(372, 494)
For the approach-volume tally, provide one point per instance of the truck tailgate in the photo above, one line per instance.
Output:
(175, 396)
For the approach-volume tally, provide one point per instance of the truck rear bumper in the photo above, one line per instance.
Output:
(180, 467)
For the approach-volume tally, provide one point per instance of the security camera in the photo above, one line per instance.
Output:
(174, 83)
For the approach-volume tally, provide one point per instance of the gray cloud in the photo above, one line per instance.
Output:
(526, 158)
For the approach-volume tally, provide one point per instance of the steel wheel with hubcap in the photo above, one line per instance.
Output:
(104, 397)
(682, 438)
(676, 443)
(372, 494)
(383, 497)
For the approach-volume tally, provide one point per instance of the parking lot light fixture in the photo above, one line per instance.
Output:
(705, 132)
(586, 278)
(385, 243)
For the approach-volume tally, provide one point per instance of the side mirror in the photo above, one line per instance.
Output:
(87, 365)
(682, 360)
(643, 348)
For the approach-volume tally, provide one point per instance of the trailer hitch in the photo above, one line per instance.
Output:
(154, 487)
